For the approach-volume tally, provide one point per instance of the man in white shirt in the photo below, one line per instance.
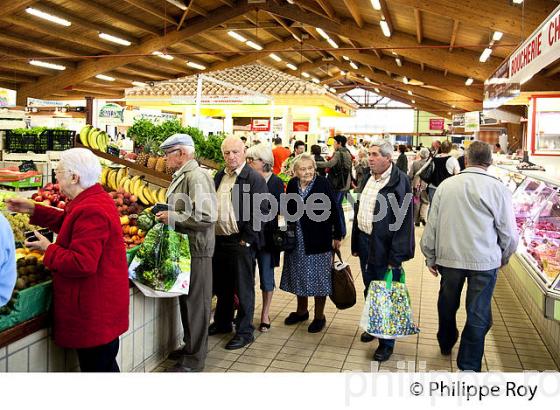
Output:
(481, 240)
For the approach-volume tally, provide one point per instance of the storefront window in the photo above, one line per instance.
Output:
(547, 124)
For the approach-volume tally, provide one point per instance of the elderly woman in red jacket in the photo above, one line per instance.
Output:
(88, 262)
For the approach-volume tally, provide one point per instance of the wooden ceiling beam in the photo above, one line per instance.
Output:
(314, 8)
(14, 6)
(218, 44)
(327, 7)
(89, 68)
(145, 71)
(418, 18)
(257, 27)
(9, 65)
(491, 15)
(154, 11)
(37, 45)
(61, 34)
(18, 78)
(252, 57)
(296, 34)
(135, 23)
(387, 15)
(49, 7)
(190, 46)
(464, 62)
(355, 12)
(452, 83)
(453, 35)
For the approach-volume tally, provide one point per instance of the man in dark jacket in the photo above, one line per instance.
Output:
(340, 174)
(238, 237)
(383, 228)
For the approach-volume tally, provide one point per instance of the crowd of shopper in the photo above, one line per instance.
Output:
(233, 233)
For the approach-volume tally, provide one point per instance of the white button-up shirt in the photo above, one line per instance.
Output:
(227, 223)
(368, 199)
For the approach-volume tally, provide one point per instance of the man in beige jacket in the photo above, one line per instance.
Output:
(191, 198)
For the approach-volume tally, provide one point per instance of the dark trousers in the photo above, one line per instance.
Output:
(195, 312)
(480, 287)
(372, 272)
(233, 267)
(99, 358)
(339, 196)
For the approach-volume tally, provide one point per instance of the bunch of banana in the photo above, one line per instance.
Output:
(94, 138)
(113, 178)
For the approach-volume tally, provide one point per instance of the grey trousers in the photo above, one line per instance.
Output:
(195, 312)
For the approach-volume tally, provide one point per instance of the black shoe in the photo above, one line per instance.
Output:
(317, 325)
(213, 329)
(383, 353)
(177, 354)
(179, 368)
(446, 351)
(294, 318)
(423, 222)
(238, 343)
(416, 223)
(366, 337)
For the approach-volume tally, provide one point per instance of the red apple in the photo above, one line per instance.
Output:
(47, 202)
(38, 198)
(61, 205)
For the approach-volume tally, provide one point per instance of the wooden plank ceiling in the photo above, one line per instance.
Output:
(434, 46)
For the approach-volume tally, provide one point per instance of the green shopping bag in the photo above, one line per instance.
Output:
(387, 313)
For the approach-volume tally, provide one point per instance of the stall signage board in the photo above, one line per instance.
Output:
(538, 51)
(221, 100)
(437, 124)
(500, 88)
(260, 125)
(112, 111)
(300, 126)
(7, 97)
(472, 121)
(459, 120)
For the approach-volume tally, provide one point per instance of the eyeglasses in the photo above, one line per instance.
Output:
(167, 154)
(251, 159)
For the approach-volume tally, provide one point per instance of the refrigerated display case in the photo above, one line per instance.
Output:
(536, 203)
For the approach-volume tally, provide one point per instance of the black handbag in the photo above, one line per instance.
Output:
(284, 239)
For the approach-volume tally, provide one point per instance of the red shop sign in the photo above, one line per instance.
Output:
(301, 126)
(436, 124)
(260, 125)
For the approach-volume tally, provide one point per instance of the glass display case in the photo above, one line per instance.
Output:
(511, 179)
(537, 212)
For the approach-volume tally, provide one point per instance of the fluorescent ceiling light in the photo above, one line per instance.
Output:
(237, 36)
(409, 92)
(322, 33)
(254, 45)
(178, 4)
(405, 80)
(139, 84)
(104, 77)
(469, 81)
(517, 1)
(377, 90)
(275, 57)
(452, 106)
(398, 61)
(485, 55)
(497, 36)
(47, 65)
(342, 72)
(291, 66)
(304, 74)
(47, 16)
(353, 65)
(164, 56)
(367, 79)
(413, 101)
(196, 65)
(385, 28)
(114, 39)
(316, 80)
(332, 43)
(346, 58)
(376, 4)
(332, 90)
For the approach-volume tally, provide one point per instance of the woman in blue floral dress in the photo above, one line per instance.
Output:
(307, 268)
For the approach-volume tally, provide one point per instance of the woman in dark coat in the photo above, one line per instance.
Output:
(260, 158)
(402, 161)
(307, 268)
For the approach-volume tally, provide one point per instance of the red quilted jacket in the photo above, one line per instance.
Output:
(90, 273)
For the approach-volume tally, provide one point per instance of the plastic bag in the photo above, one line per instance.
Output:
(162, 265)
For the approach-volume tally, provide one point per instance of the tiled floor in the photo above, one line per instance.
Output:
(512, 348)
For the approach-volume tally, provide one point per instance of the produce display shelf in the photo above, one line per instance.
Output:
(24, 329)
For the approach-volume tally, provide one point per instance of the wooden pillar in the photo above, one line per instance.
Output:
(89, 110)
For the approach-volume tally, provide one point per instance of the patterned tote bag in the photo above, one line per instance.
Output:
(387, 312)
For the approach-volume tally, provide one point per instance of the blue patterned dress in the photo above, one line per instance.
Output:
(306, 275)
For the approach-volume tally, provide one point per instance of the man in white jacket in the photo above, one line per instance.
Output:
(480, 240)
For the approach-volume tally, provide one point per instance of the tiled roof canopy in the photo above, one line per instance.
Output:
(255, 77)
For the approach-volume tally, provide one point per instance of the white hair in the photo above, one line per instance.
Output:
(188, 148)
(262, 152)
(82, 162)
(424, 153)
(303, 157)
(385, 147)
